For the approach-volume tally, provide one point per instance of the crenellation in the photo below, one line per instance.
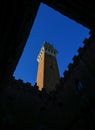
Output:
(47, 48)
(76, 59)
(67, 94)
(45, 77)
(69, 108)
(81, 50)
(70, 67)
(66, 73)
(86, 41)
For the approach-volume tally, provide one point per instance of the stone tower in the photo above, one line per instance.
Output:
(48, 73)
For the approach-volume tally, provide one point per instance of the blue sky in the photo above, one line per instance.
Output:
(65, 34)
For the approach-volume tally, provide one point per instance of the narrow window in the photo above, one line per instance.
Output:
(79, 85)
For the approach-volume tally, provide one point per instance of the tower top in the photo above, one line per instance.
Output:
(48, 72)
(47, 48)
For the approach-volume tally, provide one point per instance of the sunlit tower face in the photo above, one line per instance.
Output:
(48, 73)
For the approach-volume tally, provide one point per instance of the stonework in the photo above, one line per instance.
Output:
(22, 106)
(71, 106)
(48, 73)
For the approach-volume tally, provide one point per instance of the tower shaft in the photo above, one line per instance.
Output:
(48, 73)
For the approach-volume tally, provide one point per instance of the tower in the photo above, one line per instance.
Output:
(48, 73)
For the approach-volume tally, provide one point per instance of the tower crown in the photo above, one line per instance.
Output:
(47, 48)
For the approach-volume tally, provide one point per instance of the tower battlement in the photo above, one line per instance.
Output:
(47, 48)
